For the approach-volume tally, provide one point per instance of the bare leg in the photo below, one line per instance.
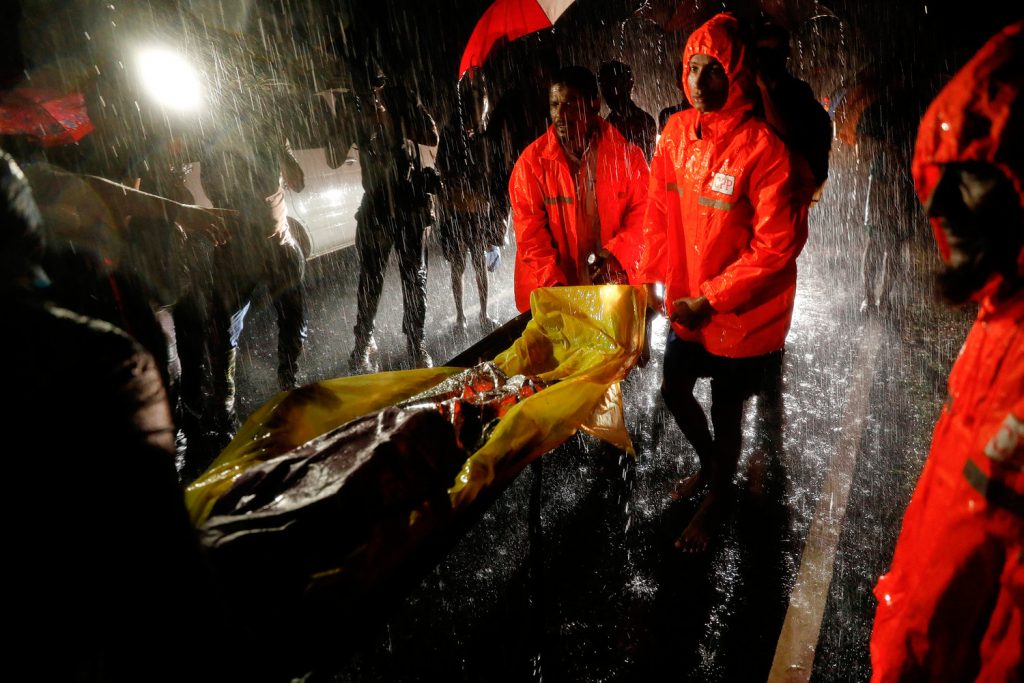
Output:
(727, 416)
(689, 415)
(890, 268)
(458, 267)
(768, 430)
(480, 270)
(869, 267)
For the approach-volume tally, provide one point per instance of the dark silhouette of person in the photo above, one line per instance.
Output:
(888, 206)
(245, 167)
(788, 103)
(472, 204)
(683, 105)
(636, 125)
(102, 587)
(394, 213)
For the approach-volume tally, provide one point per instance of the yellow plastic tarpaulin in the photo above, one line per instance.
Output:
(582, 339)
(291, 418)
(586, 339)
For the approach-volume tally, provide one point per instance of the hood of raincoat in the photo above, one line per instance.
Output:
(978, 116)
(720, 38)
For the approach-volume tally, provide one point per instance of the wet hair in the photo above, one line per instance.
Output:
(614, 69)
(774, 32)
(579, 78)
(21, 242)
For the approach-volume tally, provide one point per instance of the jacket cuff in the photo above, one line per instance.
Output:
(710, 292)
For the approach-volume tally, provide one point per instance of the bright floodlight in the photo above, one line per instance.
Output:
(170, 79)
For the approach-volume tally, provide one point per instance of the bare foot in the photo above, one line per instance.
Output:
(686, 487)
(487, 325)
(703, 527)
(757, 473)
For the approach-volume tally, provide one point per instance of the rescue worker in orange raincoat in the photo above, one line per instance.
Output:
(952, 604)
(577, 192)
(726, 220)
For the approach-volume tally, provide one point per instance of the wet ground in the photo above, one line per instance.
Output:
(571, 575)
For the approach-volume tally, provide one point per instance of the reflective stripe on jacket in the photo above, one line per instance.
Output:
(545, 209)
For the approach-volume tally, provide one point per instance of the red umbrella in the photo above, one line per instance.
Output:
(49, 117)
(506, 20)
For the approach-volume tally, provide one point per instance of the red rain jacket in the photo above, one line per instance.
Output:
(726, 218)
(951, 606)
(545, 215)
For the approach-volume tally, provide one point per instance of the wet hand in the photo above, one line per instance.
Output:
(613, 271)
(691, 312)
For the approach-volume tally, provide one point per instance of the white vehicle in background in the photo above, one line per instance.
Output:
(324, 212)
(326, 208)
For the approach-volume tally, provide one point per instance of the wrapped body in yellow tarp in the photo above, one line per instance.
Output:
(345, 486)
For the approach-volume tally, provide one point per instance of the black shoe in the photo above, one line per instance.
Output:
(418, 354)
(362, 360)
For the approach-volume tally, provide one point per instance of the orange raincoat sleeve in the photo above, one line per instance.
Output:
(537, 254)
(627, 244)
(654, 249)
(780, 231)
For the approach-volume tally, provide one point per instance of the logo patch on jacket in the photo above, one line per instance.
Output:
(723, 184)
(1007, 446)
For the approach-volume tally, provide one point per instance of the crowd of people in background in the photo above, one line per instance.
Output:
(185, 297)
(711, 201)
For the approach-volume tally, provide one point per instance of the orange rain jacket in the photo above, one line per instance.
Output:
(951, 606)
(726, 217)
(545, 211)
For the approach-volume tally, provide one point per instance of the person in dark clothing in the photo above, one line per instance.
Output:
(102, 585)
(789, 105)
(684, 104)
(473, 202)
(889, 211)
(132, 259)
(246, 170)
(636, 125)
(394, 213)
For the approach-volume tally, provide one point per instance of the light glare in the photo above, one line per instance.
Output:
(169, 79)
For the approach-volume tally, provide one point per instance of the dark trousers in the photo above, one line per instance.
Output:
(240, 267)
(733, 381)
(377, 232)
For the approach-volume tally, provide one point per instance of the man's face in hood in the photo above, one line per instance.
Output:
(708, 83)
(572, 114)
(979, 215)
